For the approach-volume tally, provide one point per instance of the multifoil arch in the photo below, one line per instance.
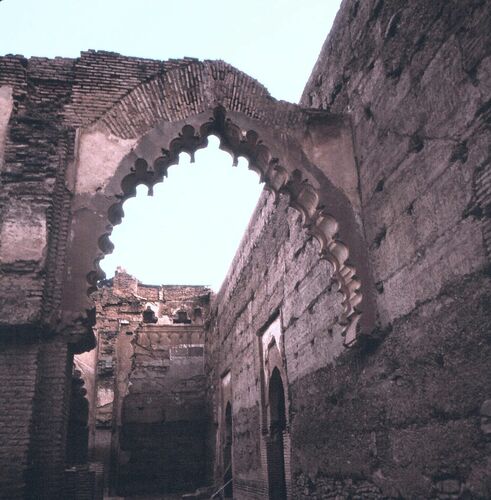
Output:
(305, 153)
(302, 194)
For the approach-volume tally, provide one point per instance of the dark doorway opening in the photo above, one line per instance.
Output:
(227, 453)
(276, 455)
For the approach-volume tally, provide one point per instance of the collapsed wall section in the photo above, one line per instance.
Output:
(150, 416)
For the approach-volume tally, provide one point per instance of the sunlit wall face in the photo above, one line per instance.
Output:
(189, 231)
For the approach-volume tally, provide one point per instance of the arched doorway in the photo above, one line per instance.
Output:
(288, 147)
(227, 453)
(132, 137)
(279, 141)
(277, 427)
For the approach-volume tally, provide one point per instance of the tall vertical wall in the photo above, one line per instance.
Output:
(42, 102)
(51, 410)
(65, 127)
(17, 392)
(31, 148)
(163, 423)
(277, 308)
(400, 415)
(416, 79)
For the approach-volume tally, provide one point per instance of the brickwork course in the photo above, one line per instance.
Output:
(347, 352)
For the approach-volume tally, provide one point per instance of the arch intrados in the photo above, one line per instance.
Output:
(278, 179)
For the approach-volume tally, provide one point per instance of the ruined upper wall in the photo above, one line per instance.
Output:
(150, 382)
(37, 146)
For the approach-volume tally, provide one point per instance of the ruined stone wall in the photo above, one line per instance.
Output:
(120, 305)
(42, 103)
(151, 385)
(31, 148)
(33, 155)
(37, 146)
(277, 281)
(50, 419)
(18, 369)
(76, 136)
(164, 421)
(399, 415)
(415, 78)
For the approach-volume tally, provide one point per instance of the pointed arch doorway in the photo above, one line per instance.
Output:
(227, 454)
(277, 427)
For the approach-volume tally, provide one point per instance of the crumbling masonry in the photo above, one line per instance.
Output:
(347, 352)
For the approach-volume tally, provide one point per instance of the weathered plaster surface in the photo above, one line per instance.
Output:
(23, 235)
(151, 383)
(330, 147)
(99, 155)
(404, 415)
(6, 106)
(276, 307)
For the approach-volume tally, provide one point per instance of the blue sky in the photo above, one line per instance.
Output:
(275, 41)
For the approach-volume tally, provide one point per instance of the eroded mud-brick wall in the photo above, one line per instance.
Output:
(31, 146)
(404, 414)
(164, 420)
(56, 163)
(416, 79)
(150, 404)
(16, 413)
(276, 309)
(37, 142)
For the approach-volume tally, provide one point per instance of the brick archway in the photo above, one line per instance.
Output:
(294, 151)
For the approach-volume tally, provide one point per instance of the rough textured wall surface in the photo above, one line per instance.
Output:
(79, 117)
(65, 124)
(45, 100)
(276, 273)
(151, 385)
(406, 414)
(33, 148)
(417, 85)
(18, 369)
(50, 104)
(416, 79)
(164, 420)
(50, 419)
